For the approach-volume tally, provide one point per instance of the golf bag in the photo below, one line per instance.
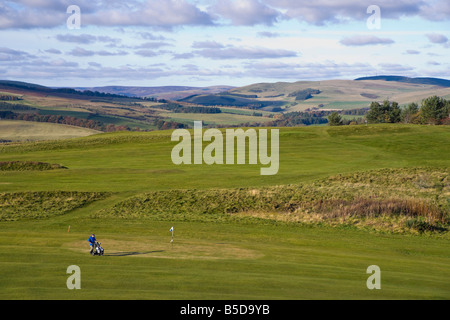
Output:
(97, 250)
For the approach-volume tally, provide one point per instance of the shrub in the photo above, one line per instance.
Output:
(43, 204)
(28, 165)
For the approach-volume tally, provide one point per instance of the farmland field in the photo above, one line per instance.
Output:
(343, 94)
(25, 130)
(217, 119)
(300, 234)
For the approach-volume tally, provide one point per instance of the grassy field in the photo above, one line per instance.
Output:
(216, 119)
(345, 198)
(26, 130)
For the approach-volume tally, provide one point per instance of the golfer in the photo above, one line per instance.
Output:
(92, 241)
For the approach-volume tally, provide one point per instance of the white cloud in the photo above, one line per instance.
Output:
(52, 13)
(437, 38)
(308, 70)
(167, 14)
(245, 53)
(246, 12)
(81, 52)
(365, 40)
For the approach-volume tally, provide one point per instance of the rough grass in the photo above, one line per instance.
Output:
(28, 165)
(40, 205)
(390, 199)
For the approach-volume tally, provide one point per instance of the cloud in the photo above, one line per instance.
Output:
(151, 36)
(437, 38)
(63, 63)
(85, 38)
(109, 53)
(412, 52)
(307, 70)
(53, 51)
(267, 34)
(54, 72)
(165, 14)
(153, 45)
(363, 40)
(217, 51)
(435, 10)
(393, 68)
(95, 64)
(186, 55)
(246, 12)
(169, 14)
(81, 39)
(321, 12)
(81, 52)
(151, 53)
(244, 53)
(207, 45)
(7, 54)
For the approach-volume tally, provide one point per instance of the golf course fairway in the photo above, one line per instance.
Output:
(237, 235)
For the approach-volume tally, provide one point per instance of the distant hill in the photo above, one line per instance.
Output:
(162, 92)
(21, 87)
(273, 97)
(425, 81)
(235, 100)
(346, 94)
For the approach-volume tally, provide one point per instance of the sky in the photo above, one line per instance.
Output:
(88, 43)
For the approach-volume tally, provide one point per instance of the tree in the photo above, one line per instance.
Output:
(388, 112)
(410, 113)
(335, 119)
(394, 112)
(375, 114)
(434, 110)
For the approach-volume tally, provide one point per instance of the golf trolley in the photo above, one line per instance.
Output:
(97, 250)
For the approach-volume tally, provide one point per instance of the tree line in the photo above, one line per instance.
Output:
(5, 97)
(178, 108)
(433, 110)
(168, 125)
(19, 107)
(68, 120)
(295, 119)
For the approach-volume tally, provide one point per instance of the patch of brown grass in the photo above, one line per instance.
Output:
(372, 207)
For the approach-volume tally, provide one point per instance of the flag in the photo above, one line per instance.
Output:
(171, 229)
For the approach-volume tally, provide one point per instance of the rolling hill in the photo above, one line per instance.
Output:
(111, 111)
(164, 92)
(425, 81)
(129, 108)
(345, 94)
